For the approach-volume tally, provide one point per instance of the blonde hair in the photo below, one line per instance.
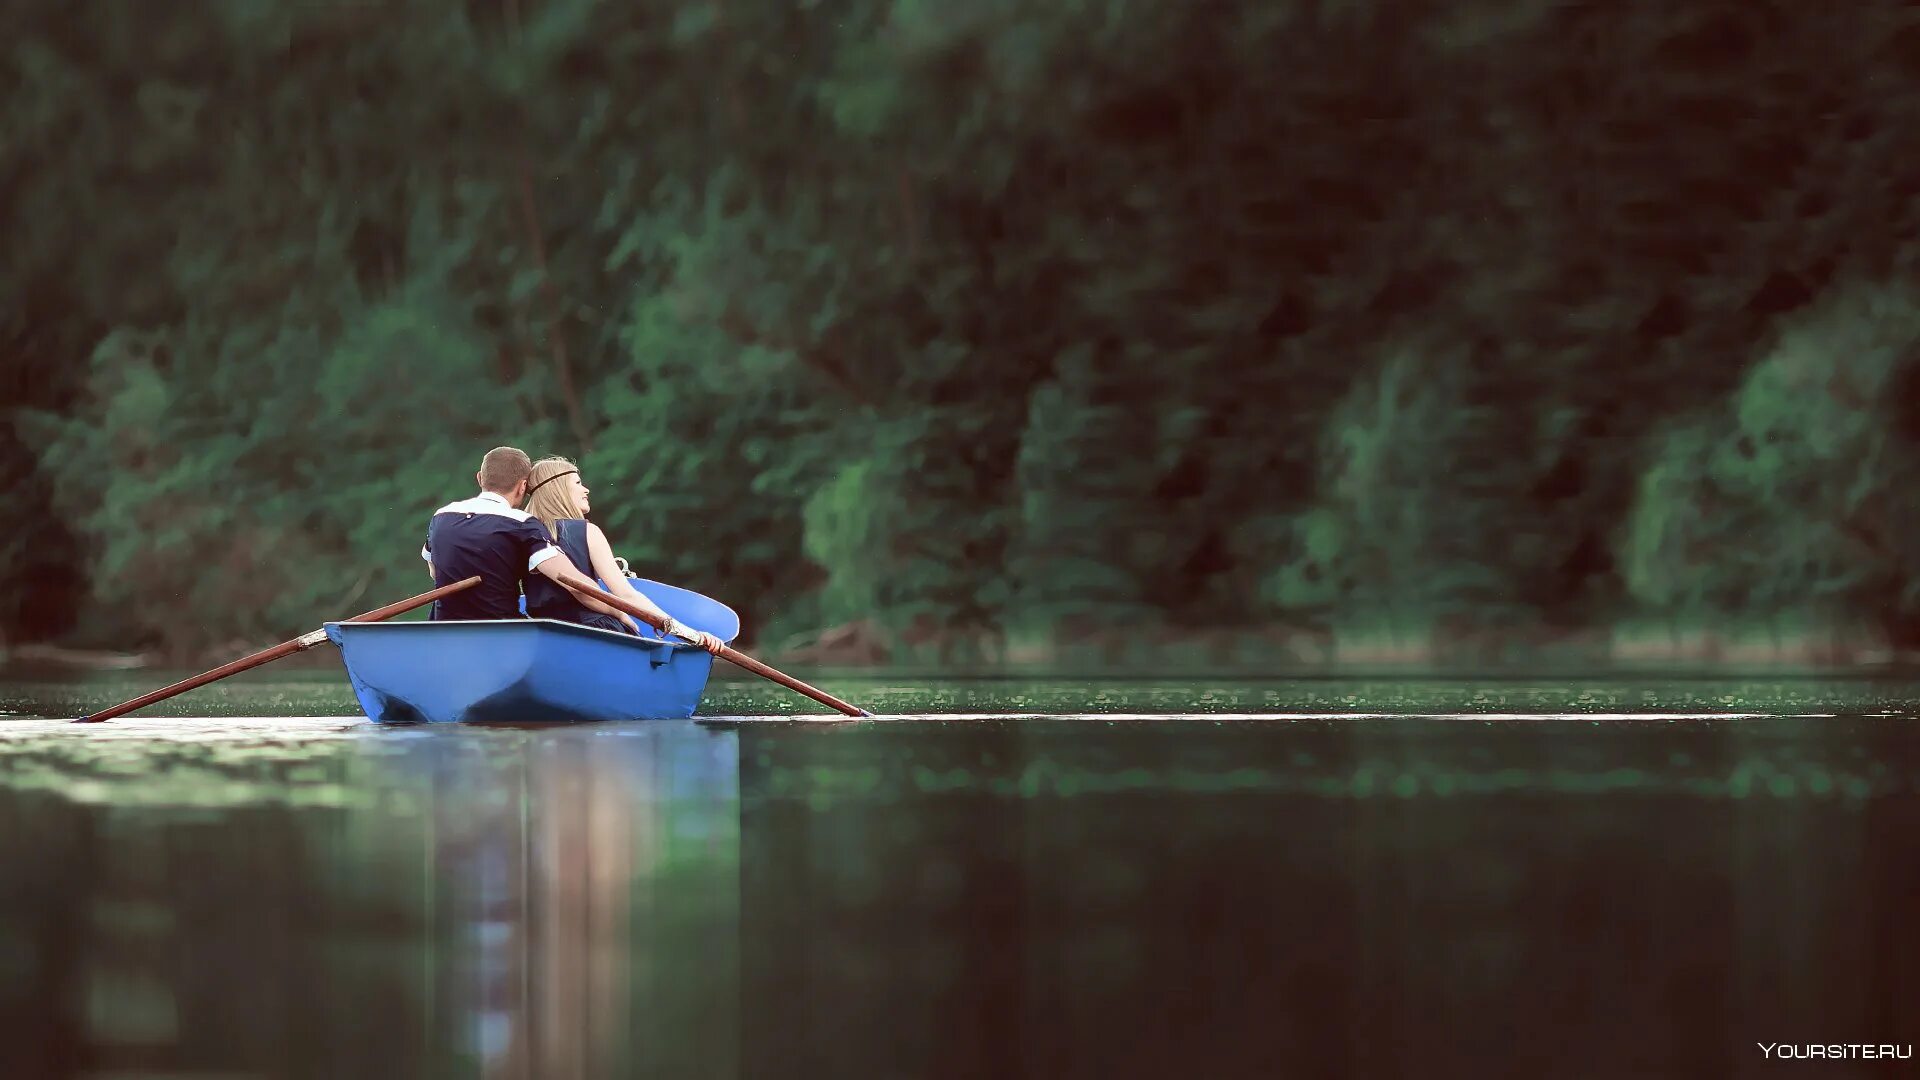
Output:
(502, 469)
(553, 501)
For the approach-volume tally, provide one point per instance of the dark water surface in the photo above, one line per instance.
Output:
(1159, 884)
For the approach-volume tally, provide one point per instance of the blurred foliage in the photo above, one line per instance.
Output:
(1797, 496)
(981, 320)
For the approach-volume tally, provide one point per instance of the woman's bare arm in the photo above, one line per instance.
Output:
(601, 554)
(608, 571)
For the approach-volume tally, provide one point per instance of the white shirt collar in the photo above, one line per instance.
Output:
(487, 502)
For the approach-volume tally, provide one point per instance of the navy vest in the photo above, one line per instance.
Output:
(546, 600)
(484, 536)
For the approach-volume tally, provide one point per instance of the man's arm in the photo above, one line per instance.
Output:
(562, 572)
(592, 603)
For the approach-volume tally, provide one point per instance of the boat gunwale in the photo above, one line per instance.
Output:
(614, 636)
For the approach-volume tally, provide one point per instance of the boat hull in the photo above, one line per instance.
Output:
(516, 671)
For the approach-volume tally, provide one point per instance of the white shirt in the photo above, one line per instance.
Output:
(488, 502)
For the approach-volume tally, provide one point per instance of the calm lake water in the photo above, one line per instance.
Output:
(1017, 878)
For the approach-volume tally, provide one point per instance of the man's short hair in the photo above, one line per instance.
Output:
(503, 468)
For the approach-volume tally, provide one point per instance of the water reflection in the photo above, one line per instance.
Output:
(583, 914)
(500, 903)
(1389, 899)
(966, 898)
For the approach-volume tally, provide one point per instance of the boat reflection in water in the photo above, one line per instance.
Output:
(586, 909)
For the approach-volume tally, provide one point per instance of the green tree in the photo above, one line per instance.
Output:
(1795, 497)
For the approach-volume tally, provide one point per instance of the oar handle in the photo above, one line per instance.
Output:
(304, 641)
(735, 656)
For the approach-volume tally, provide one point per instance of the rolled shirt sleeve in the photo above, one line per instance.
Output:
(538, 545)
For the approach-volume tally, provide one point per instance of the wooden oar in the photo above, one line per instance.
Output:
(285, 648)
(735, 656)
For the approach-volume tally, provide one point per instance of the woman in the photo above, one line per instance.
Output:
(556, 496)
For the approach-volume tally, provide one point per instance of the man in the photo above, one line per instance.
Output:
(489, 535)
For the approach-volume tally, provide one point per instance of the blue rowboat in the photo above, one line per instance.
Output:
(520, 670)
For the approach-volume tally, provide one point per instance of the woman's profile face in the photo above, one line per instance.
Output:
(580, 493)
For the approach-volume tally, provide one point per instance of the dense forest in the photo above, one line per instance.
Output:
(1459, 326)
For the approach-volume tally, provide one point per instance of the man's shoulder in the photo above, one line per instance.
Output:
(484, 506)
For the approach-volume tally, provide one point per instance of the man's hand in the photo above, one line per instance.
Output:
(707, 641)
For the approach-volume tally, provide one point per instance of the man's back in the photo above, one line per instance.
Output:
(484, 536)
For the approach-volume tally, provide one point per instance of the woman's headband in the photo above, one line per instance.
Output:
(551, 479)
